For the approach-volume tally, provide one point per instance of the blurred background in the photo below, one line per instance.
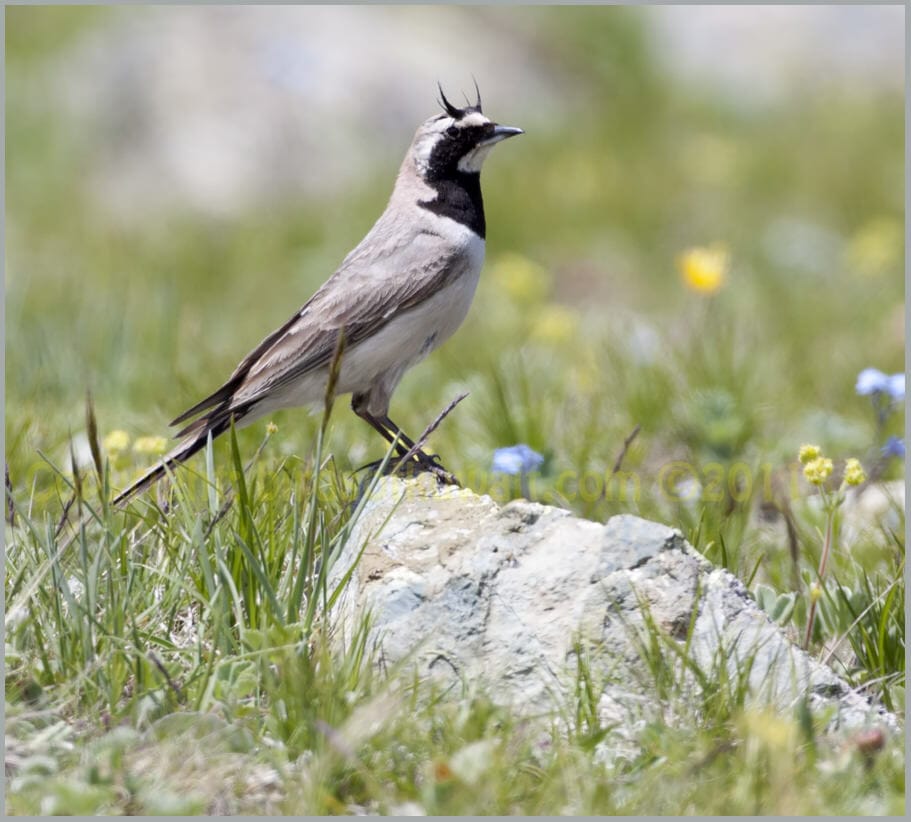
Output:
(701, 232)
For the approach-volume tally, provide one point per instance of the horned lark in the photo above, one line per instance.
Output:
(395, 298)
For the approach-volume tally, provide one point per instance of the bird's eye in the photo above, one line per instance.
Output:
(452, 131)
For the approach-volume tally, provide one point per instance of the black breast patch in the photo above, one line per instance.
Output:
(459, 198)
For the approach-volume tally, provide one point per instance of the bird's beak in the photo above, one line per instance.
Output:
(501, 133)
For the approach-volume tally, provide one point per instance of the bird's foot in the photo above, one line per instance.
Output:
(431, 464)
(420, 462)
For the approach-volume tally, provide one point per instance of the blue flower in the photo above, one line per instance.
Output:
(873, 381)
(894, 447)
(517, 459)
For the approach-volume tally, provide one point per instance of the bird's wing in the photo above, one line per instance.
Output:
(371, 289)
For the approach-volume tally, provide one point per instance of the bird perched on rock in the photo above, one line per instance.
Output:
(395, 298)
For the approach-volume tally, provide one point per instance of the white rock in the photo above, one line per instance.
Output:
(475, 594)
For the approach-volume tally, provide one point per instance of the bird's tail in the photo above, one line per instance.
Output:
(195, 437)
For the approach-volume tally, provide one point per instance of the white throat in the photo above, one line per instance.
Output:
(471, 163)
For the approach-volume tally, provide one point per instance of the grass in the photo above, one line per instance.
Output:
(181, 685)
(178, 656)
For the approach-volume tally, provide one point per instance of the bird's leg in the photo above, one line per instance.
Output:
(403, 437)
(403, 443)
(388, 432)
(426, 460)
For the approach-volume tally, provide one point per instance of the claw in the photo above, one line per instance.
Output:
(420, 462)
(431, 463)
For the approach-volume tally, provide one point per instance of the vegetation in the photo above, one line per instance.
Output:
(716, 275)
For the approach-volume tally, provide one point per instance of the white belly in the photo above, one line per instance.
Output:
(410, 337)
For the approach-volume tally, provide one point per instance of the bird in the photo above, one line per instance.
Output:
(395, 298)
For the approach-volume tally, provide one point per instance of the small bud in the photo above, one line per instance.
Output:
(870, 742)
(808, 453)
(817, 471)
(150, 445)
(854, 472)
(116, 441)
(271, 428)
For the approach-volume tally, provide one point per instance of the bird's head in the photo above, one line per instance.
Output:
(456, 141)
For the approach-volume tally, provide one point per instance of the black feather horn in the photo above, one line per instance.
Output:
(451, 110)
(477, 92)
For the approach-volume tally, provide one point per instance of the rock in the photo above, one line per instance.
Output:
(507, 598)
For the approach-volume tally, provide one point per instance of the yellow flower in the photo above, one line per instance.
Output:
(767, 731)
(818, 470)
(704, 268)
(815, 592)
(555, 324)
(876, 248)
(271, 428)
(150, 445)
(808, 453)
(116, 441)
(854, 472)
(523, 280)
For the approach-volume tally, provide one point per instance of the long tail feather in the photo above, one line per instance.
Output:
(219, 397)
(195, 439)
(182, 452)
